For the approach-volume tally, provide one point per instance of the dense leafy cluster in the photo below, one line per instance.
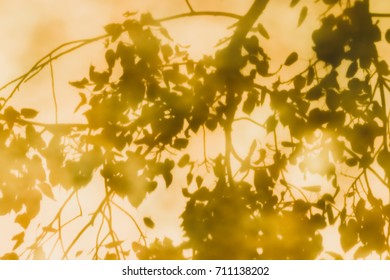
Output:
(151, 100)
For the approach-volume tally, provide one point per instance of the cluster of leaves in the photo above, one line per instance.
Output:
(150, 101)
(266, 219)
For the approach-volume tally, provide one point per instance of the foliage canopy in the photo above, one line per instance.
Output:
(143, 111)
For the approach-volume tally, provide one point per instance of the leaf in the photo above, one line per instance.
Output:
(185, 192)
(299, 82)
(190, 66)
(23, 220)
(302, 15)
(49, 229)
(79, 84)
(312, 188)
(202, 194)
(166, 51)
(271, 124)
(252, 148)
(28, 113)
(294, 3)
(189, 178)
(329, 212)
(332, 100)
(10, 256)
(78, 253)
(387, 36)
(114, 30)
(113, 244)
(199, 181)
(288, 144)
(10, 115)
(352, 69)
(83, 101)
(334, 255)
(180, 143)
(19, 238)
(148, 222)
(110, 257)
(351, 162)
(263, 31)
(250, 44)
(250, 103)
(291, 59)
(314, 93)
(184, 160)
(310, 76)
(167, 175)
(46, 190)
(110, 58)
(129, 14)
(361, 253)
(165, 33)
(147, 19)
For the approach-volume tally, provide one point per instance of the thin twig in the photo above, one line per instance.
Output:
(205, 149)
(90, 223)
(53, 90)
(133, 220)
(379, 15)
(189, 6)
(40, 64)
(204, 13)
(250, 120)
(43, 234)
(109, 219)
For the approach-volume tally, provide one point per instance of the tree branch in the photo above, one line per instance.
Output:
(379, 15)
(229, 68)
(247, 21)
(202, 13)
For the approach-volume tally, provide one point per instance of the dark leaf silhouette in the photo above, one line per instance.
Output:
(19, 239)
(302, 15)
(148, 222)
(291, 59)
